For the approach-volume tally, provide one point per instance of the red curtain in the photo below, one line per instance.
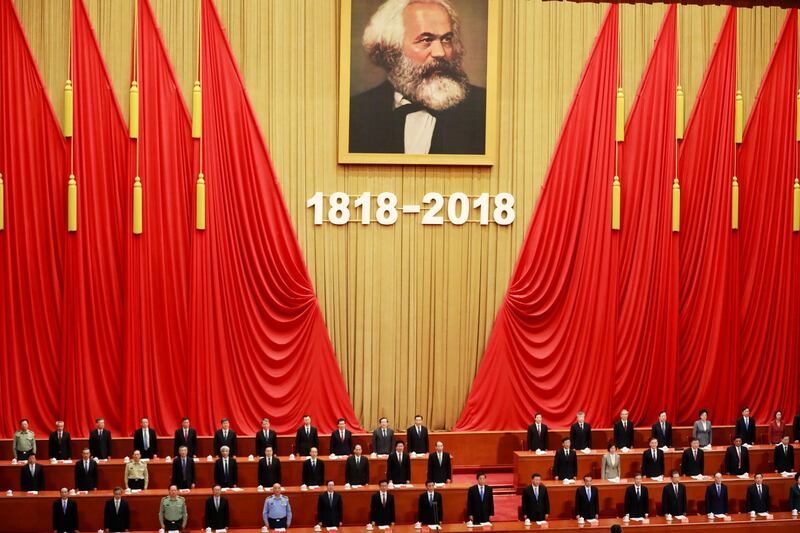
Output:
(769, 258)
(33, 161)
(647, 323)
(157, 280)
(708, 279)
(258, 342)
(553, 336)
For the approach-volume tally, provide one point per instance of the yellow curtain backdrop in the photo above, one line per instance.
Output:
(409, 308)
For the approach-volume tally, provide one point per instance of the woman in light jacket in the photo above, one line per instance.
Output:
(609, 467)
(702, 429)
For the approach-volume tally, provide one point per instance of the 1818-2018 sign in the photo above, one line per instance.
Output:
(340, 208)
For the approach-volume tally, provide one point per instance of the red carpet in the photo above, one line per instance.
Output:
(505, 507)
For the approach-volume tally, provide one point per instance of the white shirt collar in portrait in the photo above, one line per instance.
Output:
(419, 128)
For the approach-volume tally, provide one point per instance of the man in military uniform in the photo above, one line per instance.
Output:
(172, 515)
(24, 441)
(277, 511)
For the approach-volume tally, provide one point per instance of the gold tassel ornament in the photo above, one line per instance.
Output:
(615, 201)
(133, 125)
(72, 204)
(620, 134)
(796, 201)
(676, 205)
(197, 111)
(2, 205)
(735, 203)
(137, 206)
(739, 117)
(680, 110)
(68, 109)
(200, 222)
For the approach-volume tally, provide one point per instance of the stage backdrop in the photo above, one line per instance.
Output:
(409, 308)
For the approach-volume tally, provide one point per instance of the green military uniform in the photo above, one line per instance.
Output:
(173, 514)
(24, 444)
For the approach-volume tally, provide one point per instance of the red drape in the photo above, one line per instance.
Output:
(157, 281)
(553, 336)
(708, 278)
(647, 323)
(33, 162)
(769, 258)
(258, 342)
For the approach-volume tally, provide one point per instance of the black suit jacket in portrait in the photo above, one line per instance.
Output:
(231, 442)
(585, 507)
(114, 520)
(691, 466)
(732, 461)
(265, 441)
(59, 449)
(398, 472)
(138, 443)
(637, 507)
(329, 513)
(217, 518)
(341, 446)
(100, 445)
(417, 442)
(623, 436)
(63, 522)
(304, 442)
(536, 509)
(671, 503)
(313, 475)
(382, 515)
(85, 479)
(480, 510)
(439, 473)
(565, 465)
(375, 126)
(784, 461)
(537, 440)
(580, 438)
(717, 503)
(748, 434)
(652, 467)
(268, 476)
(754, 502)
(427, 514)
(664, 436)
(356, 474)
(219, 473)
(183, 478)
(190, 442)
(28, 482)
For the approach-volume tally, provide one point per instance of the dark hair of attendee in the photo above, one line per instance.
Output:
(24, 420)
(587, 476)
(535, 474)
(429, 482)
(745, 408)
(341, 420)
(537, 414)
(417, 416)
(329, 482)
(616, 528)
(185, 419)
(381, 482)
(662, 412)
(675, 473)
(381, 419)
(479, 474)
(694, 439)
(399, 442)
(565, 439)
(702, 411)
(610, 445)
(776, 413)
(222, 421)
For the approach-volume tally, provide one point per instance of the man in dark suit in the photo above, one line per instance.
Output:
(637, 499)
(31, 476)
(623, 431)
(356, 469)
(65, 514)
(535, 500)
(145, 440)
(653, 460)
(440, 469)
(185, 436)
(673, 496)
(269, 469)
(341, 439)
(86, 472)
(480, 501)
(417, 436)
(796, 428)
(183, 475)
(662, 431)
(757, 496)
(217, 515)
(565, 462)
(587, 505)
(381, 506)
(737, 458)
(59, 445)
(266, 438)
(537, 434)
(717, 496)
(794, 494)
(306, 437)
(398, 466)
(746, 427)
(784, 456)
(383, 438)
(429, 510)
(225, 436)
(692, 461)
(225, 470)
(580, 433)
(313, 470)
(329, 507)
(100, 440)
(116, 513)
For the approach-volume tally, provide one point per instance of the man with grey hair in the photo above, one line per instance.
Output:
(426, 105)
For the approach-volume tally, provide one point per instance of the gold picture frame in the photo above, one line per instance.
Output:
(347, 50)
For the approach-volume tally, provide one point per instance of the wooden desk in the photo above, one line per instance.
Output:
(111, 473)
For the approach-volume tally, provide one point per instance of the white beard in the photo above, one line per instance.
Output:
(428, 85)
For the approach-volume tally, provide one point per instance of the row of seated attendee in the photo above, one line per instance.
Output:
(277, 513)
